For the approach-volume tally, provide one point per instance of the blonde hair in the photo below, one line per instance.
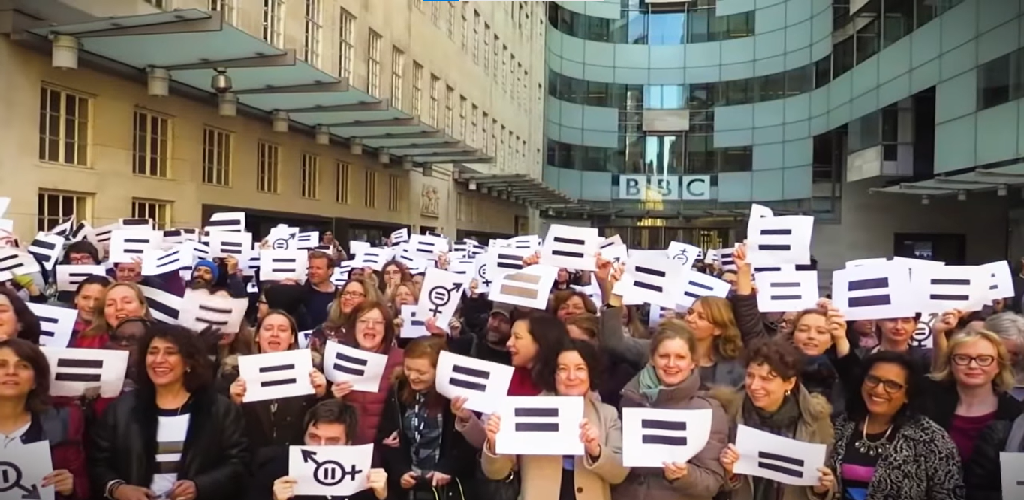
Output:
(413, 288)
(1003, 381)
(99, 324)
(729, 344)
(671, 329)
(338, 319)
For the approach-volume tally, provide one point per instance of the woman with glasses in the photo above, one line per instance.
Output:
(394, 273)
(353, 293)
(969, 395)
(173, 437)
(885, 448)
(373, 330)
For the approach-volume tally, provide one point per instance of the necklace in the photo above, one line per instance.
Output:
(873, 448)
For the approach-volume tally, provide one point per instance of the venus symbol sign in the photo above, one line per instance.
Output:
(11, 485)
(329, 472)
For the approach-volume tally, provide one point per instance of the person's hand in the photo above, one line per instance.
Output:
(458, 406)
(63, 482)
(474, 284)
(284, 488)
(237, 390)
(603, 268)
(377, 480)
(132, 492)
(399, 322)
(492, 428)
(728, 458)
(408, 480)
(454, 326)
(392, 440)
(591, 438)
(183, 490)
(341, 389)
(319, 382)
(431, 326)
(826, 481)
(531, 259)
(231, 262)
(834, 318)
(438, 479)
(289, 281)
(739, 257)
(947, 322)
(674, 470)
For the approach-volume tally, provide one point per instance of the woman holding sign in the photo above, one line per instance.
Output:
(552, 477)
(671, 380)
(774, 401)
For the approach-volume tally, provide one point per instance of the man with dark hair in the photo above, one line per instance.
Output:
(329, 423)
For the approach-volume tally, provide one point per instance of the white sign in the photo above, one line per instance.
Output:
(664, 187)
(127, 245)
(700, 285)
(22, 470)
(226, 221)
(781, 291)
(505, 260)
(571, 247)
(156, 262)
(227, 243)
(874, 291)
(400, 236)
(540, 425)
(363, 369)
(684, 254)
(1001, 285)
(529, 287)
(612, 249)
(652, 436)
(484, 384)
(69, 276)
(200, 310)
(725, 260)
(780, 240)
(16, 262)
(951, 287)
(73, 372)
(56, 324)
(650, 280)
(778, 458)
(277, 265)
(330, 471)
(1011, 464)
(276, 375)
(412, 325)
(46, 249)
(163, 306)
(441, 293)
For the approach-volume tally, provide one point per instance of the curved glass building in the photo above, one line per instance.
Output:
(666, 119)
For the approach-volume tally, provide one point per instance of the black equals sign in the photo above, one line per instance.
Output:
(48, 326)
(537, 426)
(277, 265)
(278, 382)
(654, 273)
(218, 312)
(784, 297)
(568, 241)
(869, 300)
(774, 247)
(663, 425)
(480, 375)
(698, 285)
(347, 367)
(79, 364)
(135, 241)
(949, 282)
(509, 261)
(780, 463)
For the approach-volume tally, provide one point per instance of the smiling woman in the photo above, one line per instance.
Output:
(16, 319)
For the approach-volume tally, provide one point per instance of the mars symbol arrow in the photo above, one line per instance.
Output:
(11, 480)
(328, 472)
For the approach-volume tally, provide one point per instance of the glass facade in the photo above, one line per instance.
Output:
(643, 24)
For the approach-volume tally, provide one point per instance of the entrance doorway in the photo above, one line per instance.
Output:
(948, 248)
(659, 237)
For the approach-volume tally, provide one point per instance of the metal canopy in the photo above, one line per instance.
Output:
(193, 44)
(520, 188)
(979, 180)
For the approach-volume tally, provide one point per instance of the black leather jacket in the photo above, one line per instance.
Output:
(215, 456)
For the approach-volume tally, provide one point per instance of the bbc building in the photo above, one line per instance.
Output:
(896, 123)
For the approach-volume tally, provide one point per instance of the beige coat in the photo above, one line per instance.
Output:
(541, 475)
(815, 426)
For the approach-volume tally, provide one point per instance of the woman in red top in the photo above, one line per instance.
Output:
(87, 298)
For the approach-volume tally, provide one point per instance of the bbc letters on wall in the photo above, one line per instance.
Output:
(664, 187)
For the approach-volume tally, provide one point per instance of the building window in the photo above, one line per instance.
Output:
(160, 4)
(504, 68)
(217, 149)
(435, 84)
(449, 104)
(497, 58)
(273, 22)
(487, 47)
(268, 162)
(417, 90)
(1001, 80)
(494, 137)
(465, 30)
(311, 37)
(476, 37)
(226, 9)
(435, 13)
(56, 207)
(373, 65)
(342, 188)
(310, 172)
(157, 211)
(371, 189)
(397, 75)
(64, 127)
(347, 47)
(472, 125)
(450, 24)
(151, 144)
(485, 135)
(394, 193)
(462, 117)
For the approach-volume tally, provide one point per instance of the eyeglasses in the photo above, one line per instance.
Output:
(985, 360)
(890, 386)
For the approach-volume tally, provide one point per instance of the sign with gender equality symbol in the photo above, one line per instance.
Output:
(337, 471)
(442, 292)
(22, 472)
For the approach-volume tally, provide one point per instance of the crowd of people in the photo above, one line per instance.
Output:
(899, 422)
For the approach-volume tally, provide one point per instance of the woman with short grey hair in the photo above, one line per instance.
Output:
(1010, 328)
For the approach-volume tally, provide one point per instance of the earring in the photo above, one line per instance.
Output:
(788, 392)
(189, 370)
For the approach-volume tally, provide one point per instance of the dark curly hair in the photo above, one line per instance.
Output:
(591, 357)
(39, 397)
(780, 355)
(30, 329)
(856, 408)
(198, 367)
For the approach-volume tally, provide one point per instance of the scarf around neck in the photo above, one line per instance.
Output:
(649, 383)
